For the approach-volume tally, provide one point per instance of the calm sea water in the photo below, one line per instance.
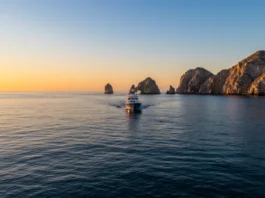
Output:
(86, 145)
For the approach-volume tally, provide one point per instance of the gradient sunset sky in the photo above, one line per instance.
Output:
(80, 45)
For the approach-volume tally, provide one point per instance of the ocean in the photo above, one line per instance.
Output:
(86, 145)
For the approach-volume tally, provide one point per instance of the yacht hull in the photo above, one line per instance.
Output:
(133, 107)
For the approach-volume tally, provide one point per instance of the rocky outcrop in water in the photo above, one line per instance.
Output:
(246, 77)
(171, 90)
(192, 80)
(215, 83)
(148, 86)
(244, 73)
(108, 89)
(132, 89)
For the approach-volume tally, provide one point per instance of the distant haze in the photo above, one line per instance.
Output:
(63, 45)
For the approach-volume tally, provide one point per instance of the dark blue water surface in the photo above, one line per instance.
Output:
(86, 145)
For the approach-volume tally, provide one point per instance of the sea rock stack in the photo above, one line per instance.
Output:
(148, 86)
(108, 89)
(192, 80)
(245, 78)
(132, 89)
(171, 90)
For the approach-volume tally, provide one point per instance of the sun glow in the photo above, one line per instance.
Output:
(77, 75)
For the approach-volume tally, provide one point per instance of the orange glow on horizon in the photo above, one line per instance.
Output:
(89, 75)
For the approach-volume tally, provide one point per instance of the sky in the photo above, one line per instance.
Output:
(81, 45)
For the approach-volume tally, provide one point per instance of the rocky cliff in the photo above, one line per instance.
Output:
(171, 90)
(244, 73)
(192, 80)
(246, 77)
(148, 86)
(108, 89)
(215, 83)
(257, 87)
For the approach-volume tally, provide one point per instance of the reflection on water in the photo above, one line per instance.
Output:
(133, 115)
(133, 119)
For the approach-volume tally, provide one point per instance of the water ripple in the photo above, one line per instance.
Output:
(85, 145)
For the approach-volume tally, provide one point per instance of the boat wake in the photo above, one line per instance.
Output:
(147, 106)
(121, 105)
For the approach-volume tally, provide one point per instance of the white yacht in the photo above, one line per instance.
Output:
(132, 102)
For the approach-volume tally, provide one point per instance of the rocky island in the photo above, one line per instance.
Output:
(171, 90)
(148, 86)
(245, 78)
(108, 89)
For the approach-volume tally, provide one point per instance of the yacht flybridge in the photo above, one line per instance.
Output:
(132, 102)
